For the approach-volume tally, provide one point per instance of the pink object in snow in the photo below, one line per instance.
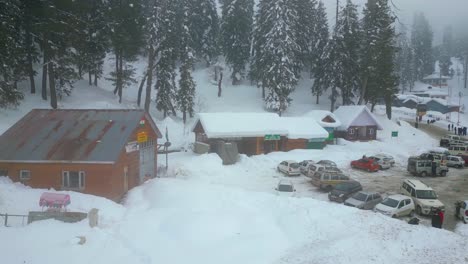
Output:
(56, 200)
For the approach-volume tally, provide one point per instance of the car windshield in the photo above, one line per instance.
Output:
(294, 165)
(426, 194)
(390, 202)
(343, 187)
(360, 196)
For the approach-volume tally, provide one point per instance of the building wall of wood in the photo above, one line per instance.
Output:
(356, 133)
(107, 180)
(292, 144)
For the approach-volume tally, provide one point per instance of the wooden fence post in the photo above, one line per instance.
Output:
(6, 219)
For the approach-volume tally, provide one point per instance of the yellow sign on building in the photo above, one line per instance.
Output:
(142, 137)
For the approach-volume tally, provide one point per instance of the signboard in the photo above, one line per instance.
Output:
(272, 137)
(142, 137)
(394, 133)
(131, 147)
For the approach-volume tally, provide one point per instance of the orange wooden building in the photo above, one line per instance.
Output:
(99, 152)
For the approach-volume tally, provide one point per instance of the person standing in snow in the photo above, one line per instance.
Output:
(435, 219)
(448, 127)
(441, 217)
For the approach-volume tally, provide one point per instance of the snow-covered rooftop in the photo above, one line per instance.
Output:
(348, 114)
(302, 127)
(228, 125)
(319, 115)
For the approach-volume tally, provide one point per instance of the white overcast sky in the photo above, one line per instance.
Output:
(440, 13)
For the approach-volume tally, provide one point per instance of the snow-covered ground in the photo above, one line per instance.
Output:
(204, 212)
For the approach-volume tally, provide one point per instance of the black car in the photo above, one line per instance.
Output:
(444, 142)
(343, 191)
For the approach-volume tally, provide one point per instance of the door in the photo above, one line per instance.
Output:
(147, 160)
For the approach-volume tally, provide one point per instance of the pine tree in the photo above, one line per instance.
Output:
(125, 18)
(276, 61)
(444, 62)
(403, 61)
(380, 50)
(186, 92)
(319, 52)
(421, 42)
(11, 52)
(304, 29)
(168, 52)
(203, 24)
(236, 28)
(345, 50)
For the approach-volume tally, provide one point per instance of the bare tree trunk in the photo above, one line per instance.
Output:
(317, 99)
(140, 89)
(121, 78)
(149, 81)
(333, 99)
(80, 71)
(117, 79)
(466, 70)
(44, 69)
(220, 83)
(31, 75)
(95, 75)
(363, 91)
(53, 92)
(184, 116)
(90, 77)
(373, 106)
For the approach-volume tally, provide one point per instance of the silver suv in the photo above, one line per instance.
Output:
(424, 197)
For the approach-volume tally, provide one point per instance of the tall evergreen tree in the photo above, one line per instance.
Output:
(380, 50)
(11, 52)
(203, 24)
(319, 54)
(421, 42)
(186, 92)
(403, 61)
(125, 19)
(236, 28)
(169, 35)
(276, 61)
(345, 45)
(304, 29)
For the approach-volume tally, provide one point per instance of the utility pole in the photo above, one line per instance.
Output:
(337, 11)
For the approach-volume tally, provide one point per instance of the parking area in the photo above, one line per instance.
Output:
(449, 189)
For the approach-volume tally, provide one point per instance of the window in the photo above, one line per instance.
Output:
(25, 175)
(371, 131)
(351, 131)
(407, 202)
(73, 179)
(413, 193)
(402, 203)
(335, 177)
(3, 172)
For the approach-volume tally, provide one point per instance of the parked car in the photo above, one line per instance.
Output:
(289, 167)
(455, 161)
(396, 205)
(387, 158)
(304, 166)
(424, 197)
(327, 163)
(344, 190)
(419, 166)
(461, 210)
(364, 200)
(326, 180)
(314, 168)
(367, 164)
(444, 142)
(383, 165)
(285, 186)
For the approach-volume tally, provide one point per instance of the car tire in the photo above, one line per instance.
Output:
(464, 221)
(394, 216)
(329, 188)
(423, 174)
(419, 210)
(443, 173)
(411, 214)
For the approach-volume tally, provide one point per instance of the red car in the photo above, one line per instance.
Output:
(367, 164)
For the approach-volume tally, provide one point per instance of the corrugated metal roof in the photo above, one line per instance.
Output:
(95, 135)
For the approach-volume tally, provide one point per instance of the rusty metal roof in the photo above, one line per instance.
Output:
(72, 135)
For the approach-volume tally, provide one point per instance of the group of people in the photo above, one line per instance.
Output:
(461, 131)
(437, 218)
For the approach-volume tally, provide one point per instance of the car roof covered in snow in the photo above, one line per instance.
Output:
(348, 115)
(229, 125)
